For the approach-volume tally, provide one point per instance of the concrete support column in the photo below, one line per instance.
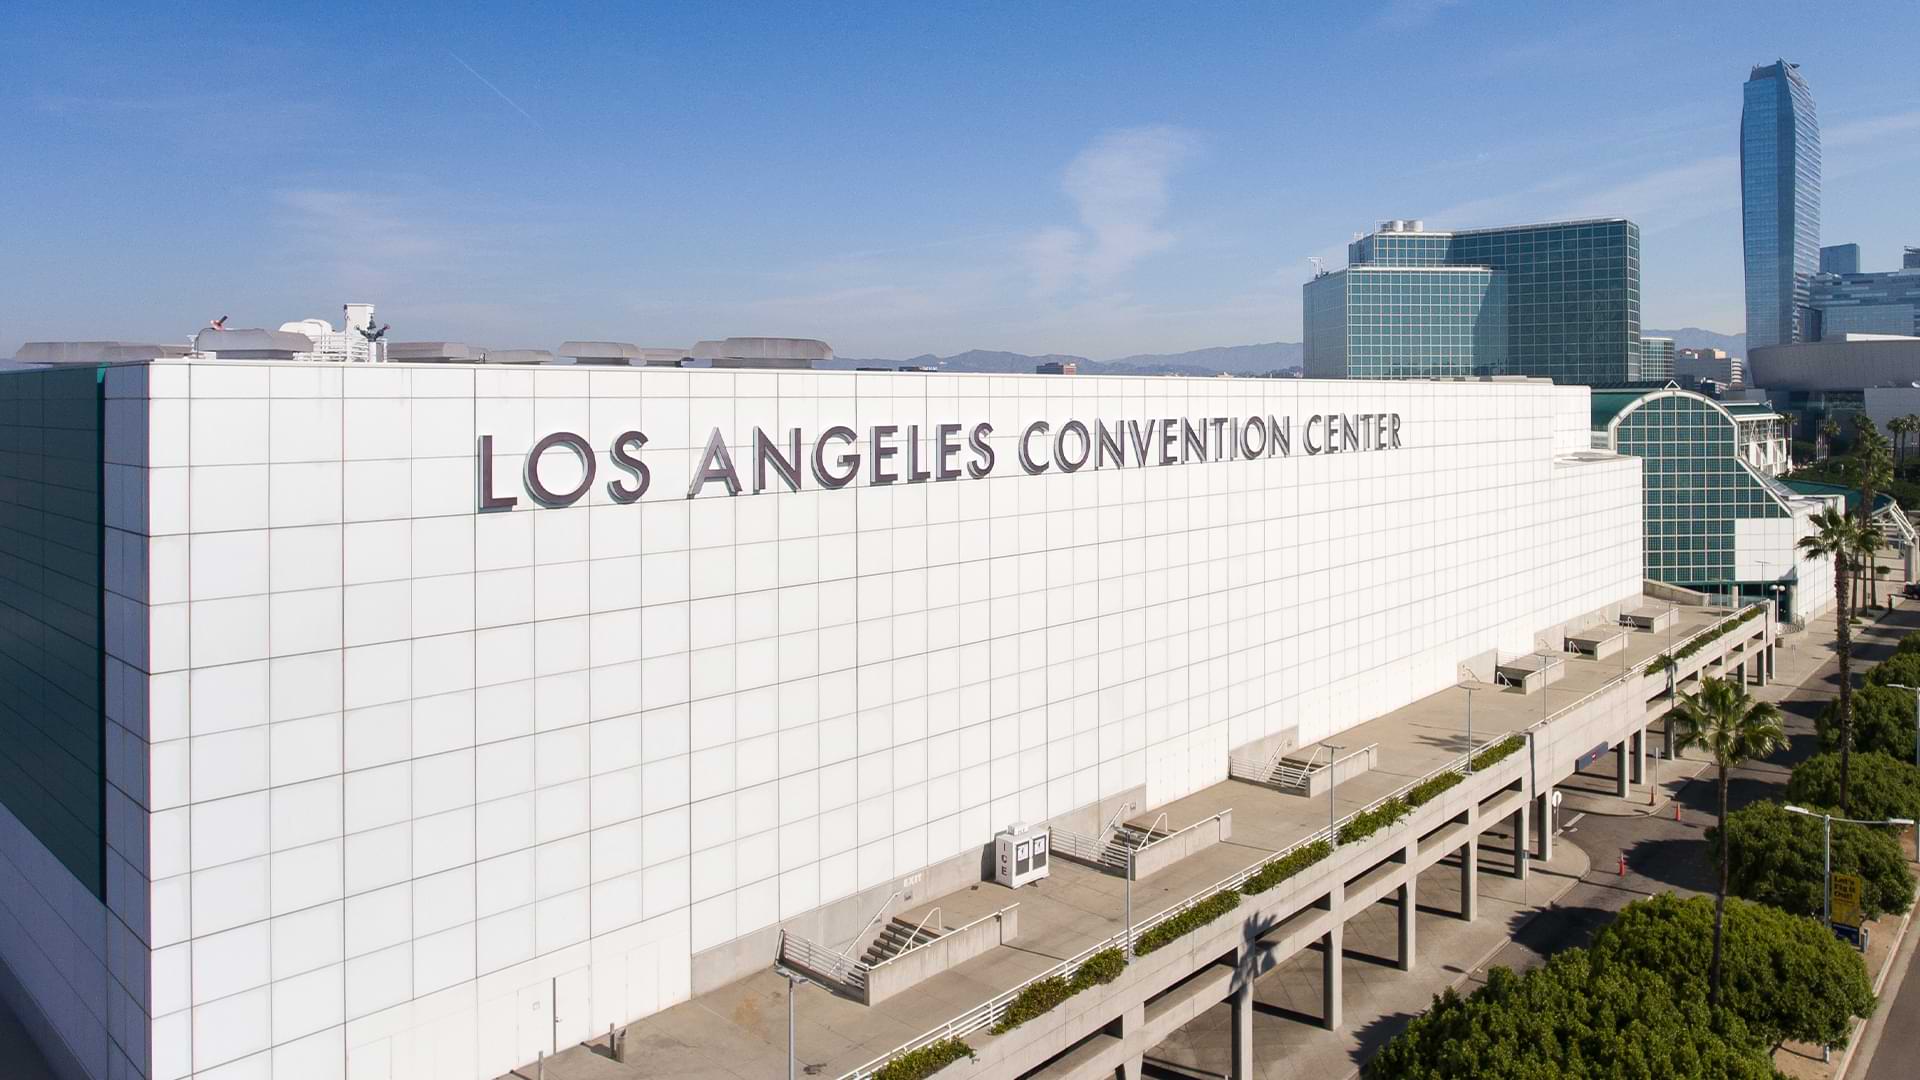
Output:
(1409, 902)
(1520, 842)
(1330, 975)
(1469, 877)
(1640, 756)
(1543, 814)
(1243, 1031)
(1620, 769)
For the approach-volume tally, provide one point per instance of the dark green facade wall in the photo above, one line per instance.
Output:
(52, 719)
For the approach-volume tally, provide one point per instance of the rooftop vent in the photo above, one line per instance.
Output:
(433, 352)
(92, 352)
(616, 353)
(763, 352)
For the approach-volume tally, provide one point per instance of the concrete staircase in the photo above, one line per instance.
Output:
(897, 937)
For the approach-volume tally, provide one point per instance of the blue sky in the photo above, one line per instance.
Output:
(1100, 179)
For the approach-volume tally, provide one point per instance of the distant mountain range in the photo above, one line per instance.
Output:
(1692, 337)
(1228, 359)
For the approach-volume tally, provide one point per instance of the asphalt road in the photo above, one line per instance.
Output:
(1666, 855)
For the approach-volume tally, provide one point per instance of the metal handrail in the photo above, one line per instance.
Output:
(914, 941)
(1074, 845)
(1151, 829)
(891, 897)
(1177, 832)
(988, 1012)
(800, 952)
(1000, 914)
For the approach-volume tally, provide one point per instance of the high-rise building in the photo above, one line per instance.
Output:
(1780, 203)
(1656, 358)
(1840, 259)
(1882, 303)
(1716, 365)
(1559, 300)
(1910, 259)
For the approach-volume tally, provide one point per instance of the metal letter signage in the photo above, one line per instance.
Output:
(909, 454)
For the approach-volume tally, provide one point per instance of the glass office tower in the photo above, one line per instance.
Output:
(1656, 358)
(1558, 300)
(1840, 259)
(1780, 203)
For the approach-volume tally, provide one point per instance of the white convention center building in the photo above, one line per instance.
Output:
(408, 720)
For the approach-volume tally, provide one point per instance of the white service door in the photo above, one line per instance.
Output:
(572, 1009)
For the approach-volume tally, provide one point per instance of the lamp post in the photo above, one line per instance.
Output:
(1469, 731)
(794, 979)
(1826, 861)
(1126, 953)
(1333, 810)
(1916, 718)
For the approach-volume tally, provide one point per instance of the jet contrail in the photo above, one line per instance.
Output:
(490, 86)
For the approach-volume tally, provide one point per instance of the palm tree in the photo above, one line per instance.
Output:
(1874, 471)
(1900, 427)
(1725, 721)
(1836, 537)
(1829, 431)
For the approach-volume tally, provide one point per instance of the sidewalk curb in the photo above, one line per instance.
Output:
(1879, 982)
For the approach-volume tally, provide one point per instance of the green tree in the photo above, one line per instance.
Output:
(1836, 537)
(1775, 858)
(1787, 976)
(1873, 467)
(1882, 722)
(1571, 1020)
(1725, 721)
(1883, 786)
(1900, 669)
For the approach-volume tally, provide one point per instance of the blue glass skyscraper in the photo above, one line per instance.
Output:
(1780, 202)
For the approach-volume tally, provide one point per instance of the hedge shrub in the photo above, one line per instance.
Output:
(1573, 1019)
(1900, 669)
(1370, 821)
(1187, 921)
(1042, 996)
(1784, 974)
(1285, 867)
(1882, 720)
(1426, 790)
(924, 1062)
(1878, 786)
(1720, 629)
(1499, 752)
(1776, 858)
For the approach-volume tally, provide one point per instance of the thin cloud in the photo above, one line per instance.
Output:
(1871, 130)
(1119, 189)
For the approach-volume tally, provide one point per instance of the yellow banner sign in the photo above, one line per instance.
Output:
(1846, 900)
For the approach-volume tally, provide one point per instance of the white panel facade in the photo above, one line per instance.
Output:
(423, 779)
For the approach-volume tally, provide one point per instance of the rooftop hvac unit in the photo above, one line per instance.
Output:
(1020, 854)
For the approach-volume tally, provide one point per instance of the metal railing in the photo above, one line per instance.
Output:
(796, 951)
(1178, 832)
(881, 910)
(1000, 914)
(1073, 845)
(989, 1012)
(1277, 769)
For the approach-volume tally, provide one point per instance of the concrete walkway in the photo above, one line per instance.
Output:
(739, 1032)
(1380, 999)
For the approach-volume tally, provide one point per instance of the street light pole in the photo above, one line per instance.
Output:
(1826, 859)
(1333, 810)
(1469, 731)
(794, 979)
